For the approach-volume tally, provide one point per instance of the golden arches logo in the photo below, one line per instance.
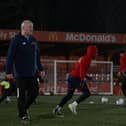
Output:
(53, 36)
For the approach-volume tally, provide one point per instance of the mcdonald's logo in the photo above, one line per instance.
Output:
(53, 36)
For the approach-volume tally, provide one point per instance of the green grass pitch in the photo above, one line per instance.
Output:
(95, 114)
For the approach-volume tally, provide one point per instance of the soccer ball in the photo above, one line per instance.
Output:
(104, 100)
(120, 101)
(91, 102)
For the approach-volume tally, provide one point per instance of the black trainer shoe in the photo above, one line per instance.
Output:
(57, 112)
(25, 119)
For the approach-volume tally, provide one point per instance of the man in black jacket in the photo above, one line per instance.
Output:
(24, 59)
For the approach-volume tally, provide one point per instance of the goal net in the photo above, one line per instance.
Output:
(57, 72)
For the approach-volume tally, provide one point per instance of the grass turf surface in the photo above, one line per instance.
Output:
(95, 114)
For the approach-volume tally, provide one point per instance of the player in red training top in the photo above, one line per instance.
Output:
(76, 80)
(122, 72)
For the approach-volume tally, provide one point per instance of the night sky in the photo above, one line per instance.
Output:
(107, 16)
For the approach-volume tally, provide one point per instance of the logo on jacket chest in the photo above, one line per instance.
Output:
(32, 43)
(23, 43)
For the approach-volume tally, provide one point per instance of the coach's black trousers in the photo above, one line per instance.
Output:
(27, 91)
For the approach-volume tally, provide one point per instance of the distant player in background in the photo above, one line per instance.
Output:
(9, 89)
(8, 86)
(122, 72)
(76, 80)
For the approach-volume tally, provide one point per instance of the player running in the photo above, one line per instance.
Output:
(76, 80)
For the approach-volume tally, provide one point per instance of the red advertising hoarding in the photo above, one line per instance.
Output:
(69, 37)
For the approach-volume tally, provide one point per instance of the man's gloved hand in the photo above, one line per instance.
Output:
(41, 76)
(82, 83)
